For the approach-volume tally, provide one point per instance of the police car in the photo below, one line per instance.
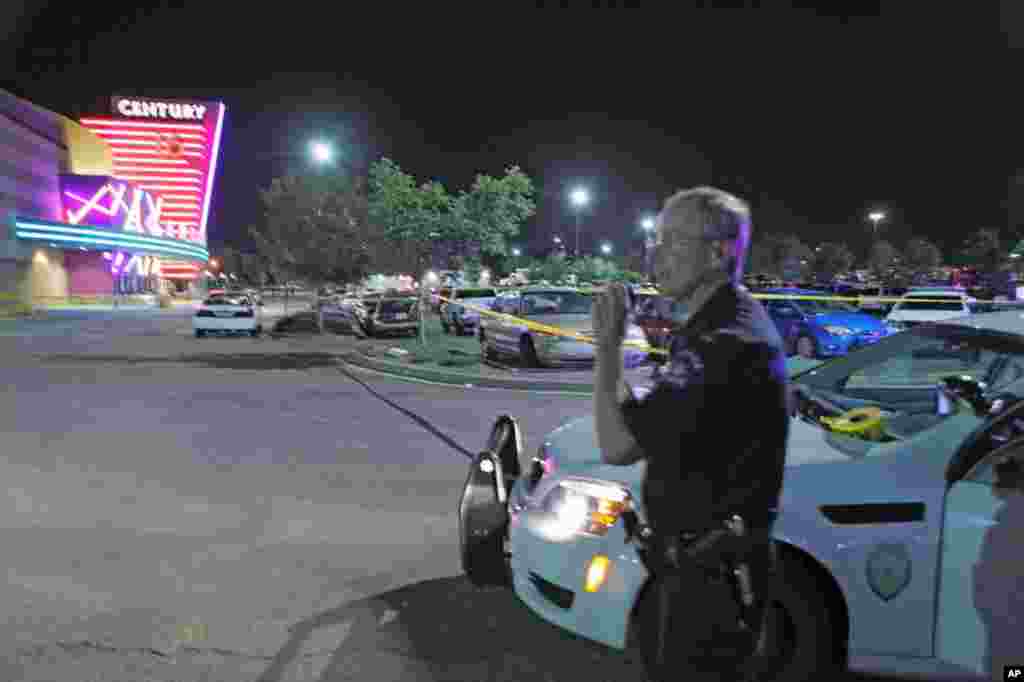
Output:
(900, 529)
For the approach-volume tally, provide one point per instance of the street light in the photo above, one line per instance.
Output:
(648, 226)
(580, 198)
(321, 151)
(516, 252)
(875, 217)
(606, 248)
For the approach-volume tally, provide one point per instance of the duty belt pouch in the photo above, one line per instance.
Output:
(700, 606)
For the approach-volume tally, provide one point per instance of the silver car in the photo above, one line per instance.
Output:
(566, 308)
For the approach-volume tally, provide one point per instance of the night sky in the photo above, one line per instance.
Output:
(814, 118)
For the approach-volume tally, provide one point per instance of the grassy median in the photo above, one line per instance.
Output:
(445, 350)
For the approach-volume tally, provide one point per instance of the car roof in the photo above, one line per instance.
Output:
(947, 293)
(794, 290)
(1008, 321)
(548, 289)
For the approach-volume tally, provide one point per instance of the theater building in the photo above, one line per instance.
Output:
(113, 204)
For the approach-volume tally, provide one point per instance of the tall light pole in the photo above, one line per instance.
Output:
(580, 198)
(648, 226)
(875, 217)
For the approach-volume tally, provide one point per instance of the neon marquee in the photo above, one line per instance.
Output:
(105, 239)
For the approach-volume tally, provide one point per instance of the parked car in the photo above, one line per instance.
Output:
(564, 307)
(817, 328)
(223, 314)
(460, 318)
(393, 315)
(929, 305)
(898, 531)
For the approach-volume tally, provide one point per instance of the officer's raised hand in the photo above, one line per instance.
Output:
(609, 314)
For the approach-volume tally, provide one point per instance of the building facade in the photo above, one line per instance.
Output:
(106, 206)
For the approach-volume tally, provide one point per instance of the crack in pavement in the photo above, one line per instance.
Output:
(40, 649)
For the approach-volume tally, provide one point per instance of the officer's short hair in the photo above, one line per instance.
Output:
(708, 213)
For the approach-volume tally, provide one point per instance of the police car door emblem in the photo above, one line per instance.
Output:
(888, 570)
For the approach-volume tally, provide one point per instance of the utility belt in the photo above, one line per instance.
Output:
(722, 554)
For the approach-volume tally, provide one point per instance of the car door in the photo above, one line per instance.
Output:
(980, 614)
(507, 338)
(787, 319)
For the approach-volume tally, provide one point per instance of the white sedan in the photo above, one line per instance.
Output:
(900, 529)
(227, 315)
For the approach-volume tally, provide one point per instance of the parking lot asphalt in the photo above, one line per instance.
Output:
(191, 520)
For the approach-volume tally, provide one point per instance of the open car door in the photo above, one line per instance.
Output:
(980, 613)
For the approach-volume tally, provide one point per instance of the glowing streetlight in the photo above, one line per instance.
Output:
(516, 252)
(875, 217)
(606, 248)
(579, 198)
(321, 151)
(647, 224)
(557, 240)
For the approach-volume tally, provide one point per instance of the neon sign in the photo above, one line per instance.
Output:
(104, 202)
(94, 238)
(137, 108)
(170, 149)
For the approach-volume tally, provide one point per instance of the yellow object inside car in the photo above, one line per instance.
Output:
(863, 422)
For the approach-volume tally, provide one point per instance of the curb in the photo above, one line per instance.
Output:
(400, 371)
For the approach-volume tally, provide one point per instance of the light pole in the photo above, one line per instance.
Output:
(579, 198)
(875, 217)
(648, 226)
(606, 248)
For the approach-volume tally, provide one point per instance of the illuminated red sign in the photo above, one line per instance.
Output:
(168, 148)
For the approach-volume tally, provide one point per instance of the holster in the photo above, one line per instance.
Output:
(719, 555)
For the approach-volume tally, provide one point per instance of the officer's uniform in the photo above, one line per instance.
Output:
(713, 431)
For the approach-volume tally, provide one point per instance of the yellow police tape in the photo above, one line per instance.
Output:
(639, 345)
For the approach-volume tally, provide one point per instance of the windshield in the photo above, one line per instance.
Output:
(224, 300)
(931, 302)
(475, 293)
(557, 303)
(392, 307)
(916, 360)
(819, 307)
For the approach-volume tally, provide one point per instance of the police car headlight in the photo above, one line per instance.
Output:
(835, 330)
(580, 507)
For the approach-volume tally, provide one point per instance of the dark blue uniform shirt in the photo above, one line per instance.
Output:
(714, 427)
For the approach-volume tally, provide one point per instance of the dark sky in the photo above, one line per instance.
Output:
(815, 119)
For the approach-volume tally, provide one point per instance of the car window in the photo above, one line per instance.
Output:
(925, 365)
(222, 300)
(816, 306)
(475, 293)
(933, 302)
(557, 303)
(396, 306)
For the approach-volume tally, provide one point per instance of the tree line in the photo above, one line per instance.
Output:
(338, 227)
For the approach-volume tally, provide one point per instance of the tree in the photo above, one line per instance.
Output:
(779, 255)
(409, 215)
(492, 212)
(315, 228)
(983, 250)
(553, 269)
(831, 259)
(920, 255)
(882, 259)
(480, 221)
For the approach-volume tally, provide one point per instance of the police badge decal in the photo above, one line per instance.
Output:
(888, 570)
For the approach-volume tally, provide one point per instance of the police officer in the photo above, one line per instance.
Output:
(713, 431)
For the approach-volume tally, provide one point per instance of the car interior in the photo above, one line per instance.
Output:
(913, 389)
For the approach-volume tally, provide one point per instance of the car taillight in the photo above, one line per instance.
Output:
(244, 313)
